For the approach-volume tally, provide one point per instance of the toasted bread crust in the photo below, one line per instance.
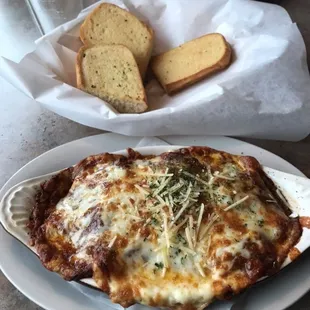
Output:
(172, 88)
(145, 64)
(78, 68)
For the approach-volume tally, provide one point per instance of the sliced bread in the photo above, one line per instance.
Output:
(109, 24)
(191, 62)
(110, 72)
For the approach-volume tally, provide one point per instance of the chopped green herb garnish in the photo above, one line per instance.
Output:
(183, 259)
(177, 252)
(159, 265)
(260, 223)
(181, 238)
(154, 221)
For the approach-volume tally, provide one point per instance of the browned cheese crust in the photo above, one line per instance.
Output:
(260, 225)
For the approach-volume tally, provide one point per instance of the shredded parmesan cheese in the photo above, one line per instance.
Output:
(170, 207)
(162, 201)
(196, 178)
(146, 222)
(189, 189)
(176, 187)
(166, 231)
(236, 203)
(142, 190)
(171, 200)
(129, 202)
(162, 186)
(165, 257)
(135, 217)
(112, 242)
(191, 228)
(163, 272)
(159, 248)
(156, 174)
(186, 250)
(202, 208)
(138, 234)
(220, 176)
(176, 228)
(200, 270)
(203, 306)
(213, 218)
(209, 173)
(189, 238)
(180, 212)
(121, 209)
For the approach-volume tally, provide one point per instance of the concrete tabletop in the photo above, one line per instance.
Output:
(27, 130)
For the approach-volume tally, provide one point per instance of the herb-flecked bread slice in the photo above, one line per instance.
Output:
(109, 24)
(110, 72)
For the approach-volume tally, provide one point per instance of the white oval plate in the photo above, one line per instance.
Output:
(48, 290)
(16, 205)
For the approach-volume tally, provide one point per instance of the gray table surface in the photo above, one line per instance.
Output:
(27, 130)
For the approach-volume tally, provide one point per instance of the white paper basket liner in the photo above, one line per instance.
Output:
(264, 93)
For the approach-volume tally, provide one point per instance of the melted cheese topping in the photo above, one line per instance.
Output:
(185, 232)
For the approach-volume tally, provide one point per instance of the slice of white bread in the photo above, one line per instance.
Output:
(191, 62)
(109, 24)
(110, 72)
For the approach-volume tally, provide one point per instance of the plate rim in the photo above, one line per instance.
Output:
(110, 135)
